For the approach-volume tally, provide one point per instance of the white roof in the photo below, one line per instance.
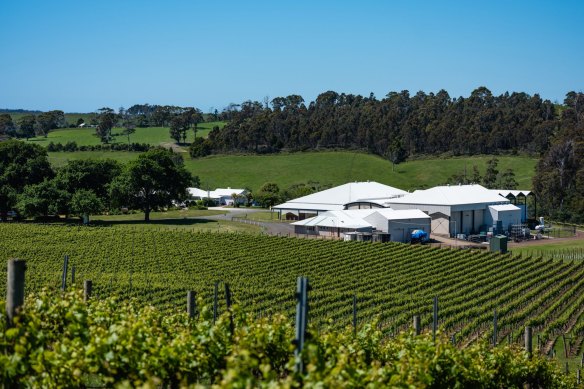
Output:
(214, 194)
(514, 193)
(353, 218)
(398, 214)
(227, 191)
(341, 219)
(452, 195)
(335, 198)
(504, 207)
(196, 192)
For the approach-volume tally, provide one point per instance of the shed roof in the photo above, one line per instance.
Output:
(340, 219)
(354, 218)
(335, 198)
(452, 195)
(504, 207)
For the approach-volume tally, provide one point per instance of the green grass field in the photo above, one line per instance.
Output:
(329, 167)
(149, 135)
(69, 117)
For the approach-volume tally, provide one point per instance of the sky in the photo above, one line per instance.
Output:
(81, 55)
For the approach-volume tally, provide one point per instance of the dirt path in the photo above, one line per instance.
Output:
(173, 146)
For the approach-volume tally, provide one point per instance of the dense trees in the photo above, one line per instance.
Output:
(21, 164)
(29, 185)
(397, 126)
(559, 179)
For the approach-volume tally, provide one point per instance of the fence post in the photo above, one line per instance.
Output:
(14, 288)
(72, 274)
(495, 328)
(191, 306)
(435, 321)
(64, 276)
(528, 345)
(215, 292)
(354, 315)
(87, 289)
(301, 320)
(578, 377)
(417, 327)
(228, 303)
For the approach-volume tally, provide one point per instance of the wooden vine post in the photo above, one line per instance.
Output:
(191, 306)
(14, 288)
(301, 321)
(87, 289)
(417, 325)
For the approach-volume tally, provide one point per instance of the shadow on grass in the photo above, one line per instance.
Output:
(107, 223)
(158, 222)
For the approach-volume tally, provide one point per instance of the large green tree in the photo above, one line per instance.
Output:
(153, 181)
(21, 164)
(6, 124)
(43, 199)
(26, 127)
(88, 174)
(84, 203)
(106, 120)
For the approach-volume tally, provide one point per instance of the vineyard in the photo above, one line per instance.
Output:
(392, 282)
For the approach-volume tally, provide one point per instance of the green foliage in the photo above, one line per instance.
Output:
(152, 181)
(268, 195)
(107, 119)
(21, 164)
(60, 341)
(200, 148)
(559, 181)
(43, 199)
(392, 281)
(85, 202)
(491, 174)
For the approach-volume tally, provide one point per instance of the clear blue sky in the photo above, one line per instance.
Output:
(82, 55)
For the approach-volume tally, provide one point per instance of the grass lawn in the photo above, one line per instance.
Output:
(150, 135)
(330, 167)
(340, 167)
(551, 247)
(175, 219)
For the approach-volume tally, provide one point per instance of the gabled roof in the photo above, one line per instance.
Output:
(335, 198)
(452, 195)
(214, 194)
(514, 193)
(354, 218)
(227, 191)
(340, 219)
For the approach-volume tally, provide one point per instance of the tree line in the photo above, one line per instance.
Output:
(179, 120)
(396, 127)
(559, 178)
(30, 186)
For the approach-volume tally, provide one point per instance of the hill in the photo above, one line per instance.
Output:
(151, 135)
(327, 167)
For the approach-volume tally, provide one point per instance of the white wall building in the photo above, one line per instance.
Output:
(354, 195)
(222, 196)
(399, 224)
(456, 209)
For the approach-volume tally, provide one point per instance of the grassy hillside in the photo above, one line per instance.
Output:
(150, 135)
(333, 168)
